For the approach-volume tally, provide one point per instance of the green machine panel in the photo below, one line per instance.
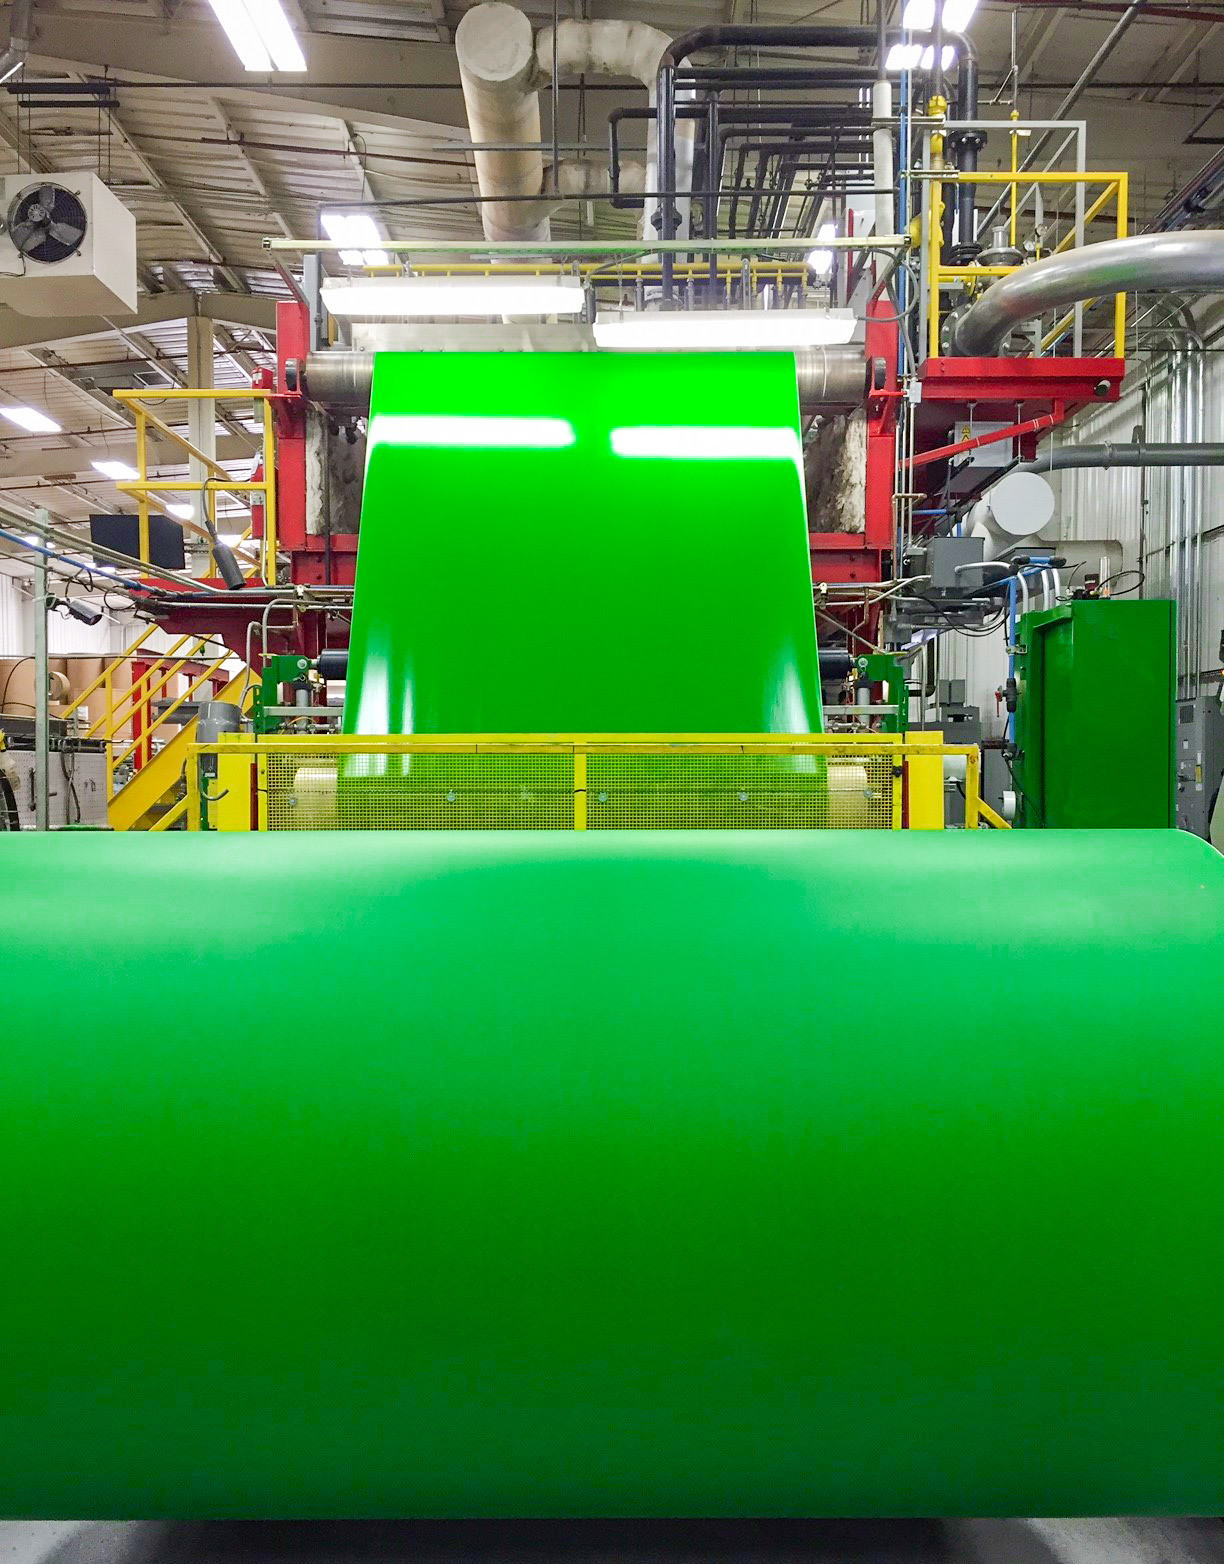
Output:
(583, 1173)
(1094, 715)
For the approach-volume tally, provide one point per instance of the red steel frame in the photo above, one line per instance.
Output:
(1028, 395)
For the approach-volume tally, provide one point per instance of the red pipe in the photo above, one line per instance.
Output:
(1012, 432)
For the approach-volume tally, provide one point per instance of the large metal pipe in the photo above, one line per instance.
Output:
(1146, 263)
(340, 381)
(21, 36)
(497, 62)
(611, 48)
(1139, 453)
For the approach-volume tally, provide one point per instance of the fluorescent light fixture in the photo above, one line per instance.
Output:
(726, 330)
(31, 537)
(230, 539)
(909, 56)
(358, 230)
(919, 16)
(179, 511)
(707, 442)
(30, 418)
(410, 298)
(958, 14)
(821, 261)
(120, 472)
(471, 429)
(260, 33)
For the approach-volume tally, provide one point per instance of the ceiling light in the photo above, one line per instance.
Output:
(726, 329)
(471, 429)
(958, 14)
(903, 57)
(120, 472)
(180, 512)
(31, 538)
(260, 33)
(919, 15)
(357, 229)
(821, 261)
(230, 539)
(947, 56)
(412, 298)
(30, 418)
(707, 442)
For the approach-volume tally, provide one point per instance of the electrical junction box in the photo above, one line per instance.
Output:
(1199, 755)
(67, 246)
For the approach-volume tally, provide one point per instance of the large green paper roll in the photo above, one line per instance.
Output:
(625, 1174)
(583, 543)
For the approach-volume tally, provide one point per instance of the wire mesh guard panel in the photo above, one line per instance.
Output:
(371, 791)
(738, 792)
(524, 791)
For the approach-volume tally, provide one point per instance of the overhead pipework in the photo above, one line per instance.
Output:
(502, 66)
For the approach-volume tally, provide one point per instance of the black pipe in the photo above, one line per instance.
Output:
(776, 76)
(967, 145)
(827, 35)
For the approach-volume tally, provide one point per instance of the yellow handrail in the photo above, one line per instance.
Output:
(170, 710)
(1116, 185)
(109, 670)
(218, 480)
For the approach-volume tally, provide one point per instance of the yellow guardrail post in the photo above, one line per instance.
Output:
(973, 791)
(1123, 185)
(580, 789)
(925, 776)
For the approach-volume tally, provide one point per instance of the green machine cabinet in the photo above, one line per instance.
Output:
(1094, 715)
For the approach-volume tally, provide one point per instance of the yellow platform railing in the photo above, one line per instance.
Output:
(578, 782)
(1114, 187)
(143, 489)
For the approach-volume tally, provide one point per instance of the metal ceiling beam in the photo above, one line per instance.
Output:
(130, 46)
(234, 309)
(77, 460)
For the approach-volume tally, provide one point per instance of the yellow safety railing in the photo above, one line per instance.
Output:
(578, 782)
(218, 481)
(1115, 187)
(133, 705)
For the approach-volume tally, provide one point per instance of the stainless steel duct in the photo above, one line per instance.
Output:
(1146, 263)
(828, 377)
(1137, 454)
(21, 36)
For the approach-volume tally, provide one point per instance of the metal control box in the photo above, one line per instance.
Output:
(1199, 758)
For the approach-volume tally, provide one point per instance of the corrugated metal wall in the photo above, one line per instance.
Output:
(1144, 510)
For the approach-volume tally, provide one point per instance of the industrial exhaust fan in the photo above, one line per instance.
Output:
(67, 246)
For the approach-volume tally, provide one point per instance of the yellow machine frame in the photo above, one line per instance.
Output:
(918, 756)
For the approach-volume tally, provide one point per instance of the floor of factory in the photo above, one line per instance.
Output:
(1095, 1541)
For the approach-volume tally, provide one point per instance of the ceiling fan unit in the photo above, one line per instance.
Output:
(67, 246)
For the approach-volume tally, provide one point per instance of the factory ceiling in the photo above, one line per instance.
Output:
(211, 160)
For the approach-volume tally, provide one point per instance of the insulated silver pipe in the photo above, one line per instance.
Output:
(1147, 263)
(828, 377)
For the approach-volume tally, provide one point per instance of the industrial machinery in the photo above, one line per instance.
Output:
(538, 1130)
